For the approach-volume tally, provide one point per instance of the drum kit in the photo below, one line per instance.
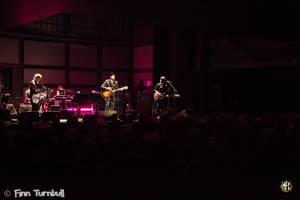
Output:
(51, 102)
(61, 101)
(70, 100)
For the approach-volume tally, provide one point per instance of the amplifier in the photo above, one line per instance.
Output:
(49, 116)
(11, 109)
(16, 101)
(25, 108)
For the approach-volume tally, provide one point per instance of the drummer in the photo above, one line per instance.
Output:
(60, 91)
(60, 97)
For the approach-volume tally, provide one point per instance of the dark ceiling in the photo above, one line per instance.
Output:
(230, 15)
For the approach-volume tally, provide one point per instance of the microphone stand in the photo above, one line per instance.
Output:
(116, 98)
(174, 91)
(1, 95)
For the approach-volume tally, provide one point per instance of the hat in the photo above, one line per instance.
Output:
(111, 73)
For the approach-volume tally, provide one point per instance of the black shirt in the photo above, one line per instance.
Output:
(163, 88)
(33, 87)
(113, 84)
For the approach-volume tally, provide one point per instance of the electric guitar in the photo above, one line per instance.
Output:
(41, 96)
(108, 93)
(36, 98)
(159, 95)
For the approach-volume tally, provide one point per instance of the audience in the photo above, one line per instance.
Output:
(214, 153)
(180, 143)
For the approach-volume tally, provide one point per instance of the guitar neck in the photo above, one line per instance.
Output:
(122, 88)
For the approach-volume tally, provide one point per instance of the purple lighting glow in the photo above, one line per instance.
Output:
(72, 109)
(86, 110)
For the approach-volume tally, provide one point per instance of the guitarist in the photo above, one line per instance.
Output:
(109, 85)
(161, 89)
(34, 89)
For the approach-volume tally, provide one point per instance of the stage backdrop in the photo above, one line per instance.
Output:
(9, 50)
(83, 77)
(143, 65)
(44, 53)
(116, 58)
(83, 56)
(50, 76)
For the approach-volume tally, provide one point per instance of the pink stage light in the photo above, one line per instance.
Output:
(72, 109)
(86, 109)
(83, 109)
(148, 83)
(91, 109)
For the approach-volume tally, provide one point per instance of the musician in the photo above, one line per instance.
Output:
(34, 89)
(60, 91)
(161, 91)
(110, 85)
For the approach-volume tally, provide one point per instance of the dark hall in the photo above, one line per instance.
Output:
(149, 99)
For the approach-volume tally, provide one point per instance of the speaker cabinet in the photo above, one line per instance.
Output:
(16, 101)
(11, 109)
(28, 117)
(25, 108)
(49, 116)
(107, 114)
